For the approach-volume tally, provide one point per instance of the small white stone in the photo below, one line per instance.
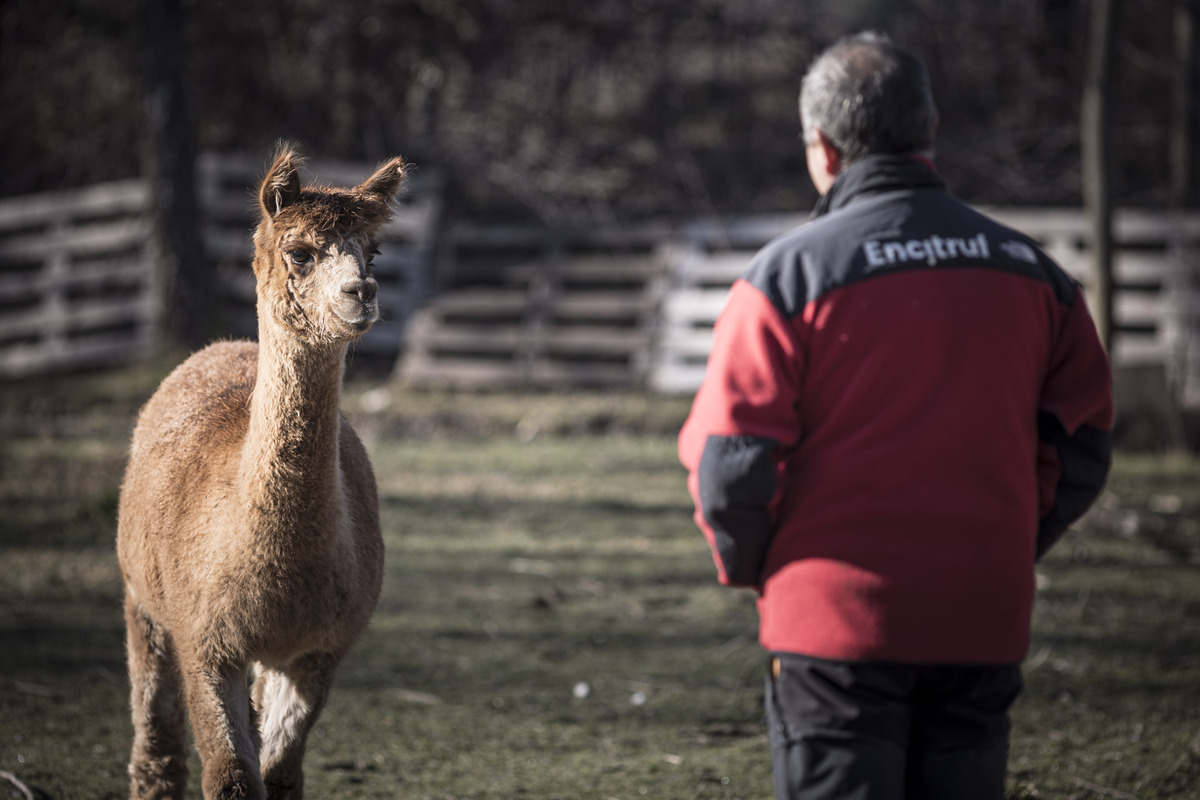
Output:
(376, 400)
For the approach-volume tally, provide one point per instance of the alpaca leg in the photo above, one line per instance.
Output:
(288, 703)
(219, 706)
(158, 762)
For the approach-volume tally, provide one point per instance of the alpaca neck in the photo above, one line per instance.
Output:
(290, 457)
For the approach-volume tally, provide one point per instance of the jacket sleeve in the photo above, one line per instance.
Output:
(742, 423)
(1075, 422)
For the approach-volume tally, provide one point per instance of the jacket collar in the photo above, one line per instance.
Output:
(876, 174)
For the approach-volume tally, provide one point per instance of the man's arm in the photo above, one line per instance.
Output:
(1075, 421)
(742, 421)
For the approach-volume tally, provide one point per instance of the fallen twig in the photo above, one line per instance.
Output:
(15, 782)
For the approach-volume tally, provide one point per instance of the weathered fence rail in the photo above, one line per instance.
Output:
(705, 259)
(75, 284)
(531, 307)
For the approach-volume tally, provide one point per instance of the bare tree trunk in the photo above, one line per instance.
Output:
(1183, 107)
(1094, 124)
(169, 162)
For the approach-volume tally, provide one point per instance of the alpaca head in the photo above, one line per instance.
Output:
(313, 250)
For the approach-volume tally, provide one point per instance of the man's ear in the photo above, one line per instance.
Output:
(281, 185)
(386, 181)
(831, 155)
(824, 160)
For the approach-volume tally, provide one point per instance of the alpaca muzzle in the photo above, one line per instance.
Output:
(364, 290)
(358, 307)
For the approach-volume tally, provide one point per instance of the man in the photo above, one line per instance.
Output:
(906, 403)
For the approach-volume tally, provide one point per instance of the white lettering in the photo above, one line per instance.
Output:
(983, 245)
(895, 252)
(915, 249)
(932, 250)
(874, 255)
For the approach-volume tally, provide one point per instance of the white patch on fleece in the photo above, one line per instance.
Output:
(282, 715)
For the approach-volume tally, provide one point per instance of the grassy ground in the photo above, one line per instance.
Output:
(550, 626)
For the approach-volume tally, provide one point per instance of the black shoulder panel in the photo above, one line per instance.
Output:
(903, 230)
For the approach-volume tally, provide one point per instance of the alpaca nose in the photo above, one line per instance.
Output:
(364, 289)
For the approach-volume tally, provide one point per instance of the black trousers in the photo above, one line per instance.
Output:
(878, 731)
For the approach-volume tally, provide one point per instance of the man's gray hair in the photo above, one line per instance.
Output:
(868, 96)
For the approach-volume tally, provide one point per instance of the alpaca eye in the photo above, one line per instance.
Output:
(300, 258)
(374, 251)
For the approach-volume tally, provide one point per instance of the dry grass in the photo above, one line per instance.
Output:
(550, 627)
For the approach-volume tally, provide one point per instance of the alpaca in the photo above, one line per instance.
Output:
(248, 528)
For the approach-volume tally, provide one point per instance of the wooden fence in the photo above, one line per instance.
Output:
(705, 259)
(80, 284)
(76, 287)
(508, 306)
(1156, 288)
(538, 308)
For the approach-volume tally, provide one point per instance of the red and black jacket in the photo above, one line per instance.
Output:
(905, 404)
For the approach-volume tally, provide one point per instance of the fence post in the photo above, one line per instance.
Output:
(1094, 128)
(170, 164)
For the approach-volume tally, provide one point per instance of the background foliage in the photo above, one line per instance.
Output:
(575, 112)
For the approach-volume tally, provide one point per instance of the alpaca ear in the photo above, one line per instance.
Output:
(386, 181)
(281, 185)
